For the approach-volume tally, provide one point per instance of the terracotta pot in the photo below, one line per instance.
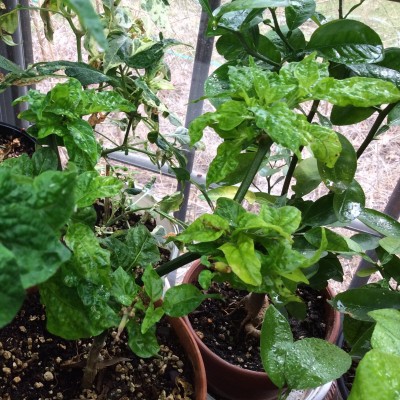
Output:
(190, 345)
(235, 383)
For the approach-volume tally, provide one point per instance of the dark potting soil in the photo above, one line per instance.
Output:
(218, 324)
(11, 147)
(35, 365)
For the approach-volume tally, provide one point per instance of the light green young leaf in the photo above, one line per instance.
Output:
(377, 377)
(229, 192)
(151, 317)
(276, 341)
(386, 333)
(153, 284)
(206, 228)
(287, 218)
(231, 114)
(91, 186)
(143, 345)
(243, 260)
(313, 362)
(124, 289)
(182, 299)
(391, 244)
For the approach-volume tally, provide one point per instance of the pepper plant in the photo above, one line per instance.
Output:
(267, 98)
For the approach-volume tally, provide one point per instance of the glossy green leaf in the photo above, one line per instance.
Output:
(349, 204)
(329, 267)
(386, 332)
(206, 228)
(359, 302)
(90, 19)
(363, 344)
(143, 345)
(391, 268)
(299, 12)
(354, 328)
(182, 299)
(380, 222)
(9, 66)
(350, 115)
(309, 363)
(356, 91)
(378, 72)
(341, 176)
(391, 59)
(229, 209)
(347, 41)
(153, 284)
(12, 294)
(321, 212)
(151, 317)
(91, 186)
(307, 177)
(276, 341)
(124, 288)
(391, 244)
(242, 258)
(217, 83)
(366, 241)
(377, 377)
(336, 242)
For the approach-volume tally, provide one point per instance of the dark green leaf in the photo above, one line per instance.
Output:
(354, 328)
(329, 267)
(349, 204)
(359, 302)
(12, 294)
(151, 317)
(8, 65)
(307, 177)
(341, 176)
(391, 59)
(309, 363)
(350, 115)
(321, 212)
(378, 72)
(89, 18)
(276, 341)
(366, 241)
(347, 41)
(143, 345)
(182, 299)
(124, 288)
(299, 12)
(142, 246)
(44, 159)
(363, 343)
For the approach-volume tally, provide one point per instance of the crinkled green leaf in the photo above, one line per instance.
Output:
(377, 377)
(206, 228)
(143, 345)
(153, 284)
(112, 55)
(346, 41)
(288, 218)
(359, 302)
(276, 341)
(91, 186)
(356, 91)
(12, 294)
(124, 288)
(243, 260)
(182, 299)
(309, 363)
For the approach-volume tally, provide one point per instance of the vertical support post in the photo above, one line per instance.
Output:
(20, 54)
(204, 49)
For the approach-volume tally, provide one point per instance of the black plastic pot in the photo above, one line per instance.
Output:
(27, 143)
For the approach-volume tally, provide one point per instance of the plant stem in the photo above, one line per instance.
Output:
(293, 163)
(176, 263)
(278, 30)
(340, 9)
(90, 370)
(371, 134)
(264, 144)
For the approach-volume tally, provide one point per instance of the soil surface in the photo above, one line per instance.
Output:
(36, 365)
(218, 324)
(11, 146)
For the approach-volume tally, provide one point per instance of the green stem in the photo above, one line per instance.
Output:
(340, 9)
(176, 263)
(278, 30)
(371, 134)
(264, 144)
(294, 161)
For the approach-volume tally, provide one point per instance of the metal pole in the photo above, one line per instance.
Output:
(201, 67)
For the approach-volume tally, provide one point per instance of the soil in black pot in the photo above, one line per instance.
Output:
(218, 324)
(37, 365)
(12, 146)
